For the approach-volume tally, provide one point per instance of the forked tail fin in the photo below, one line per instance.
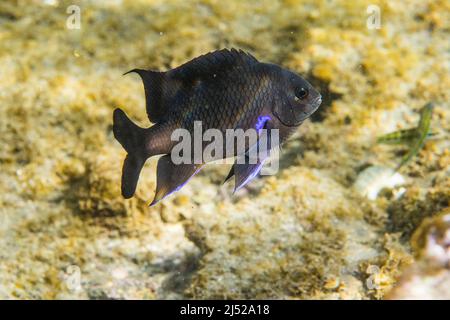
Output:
(132, 139)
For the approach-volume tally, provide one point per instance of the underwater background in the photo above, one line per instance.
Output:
(334, 223)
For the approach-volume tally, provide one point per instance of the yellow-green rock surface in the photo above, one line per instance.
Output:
(306, 232)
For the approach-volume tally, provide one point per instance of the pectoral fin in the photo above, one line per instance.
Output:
(172, 177)
(247, 166)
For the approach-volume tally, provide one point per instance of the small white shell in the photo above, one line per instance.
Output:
(375, 178)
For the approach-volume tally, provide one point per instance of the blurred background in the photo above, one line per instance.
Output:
(334, 223)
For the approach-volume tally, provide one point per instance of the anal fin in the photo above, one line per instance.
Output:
(172, 177)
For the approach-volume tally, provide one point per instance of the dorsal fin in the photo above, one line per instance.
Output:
(162, 87)
(212, 63)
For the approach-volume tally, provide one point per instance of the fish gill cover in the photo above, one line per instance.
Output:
(306, 232)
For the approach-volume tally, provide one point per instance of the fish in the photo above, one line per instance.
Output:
(404, 136)
(413, 137)
(222, 90)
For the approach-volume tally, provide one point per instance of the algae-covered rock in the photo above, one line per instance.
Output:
(65, 230)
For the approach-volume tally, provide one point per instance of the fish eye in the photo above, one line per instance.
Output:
(301, 94)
